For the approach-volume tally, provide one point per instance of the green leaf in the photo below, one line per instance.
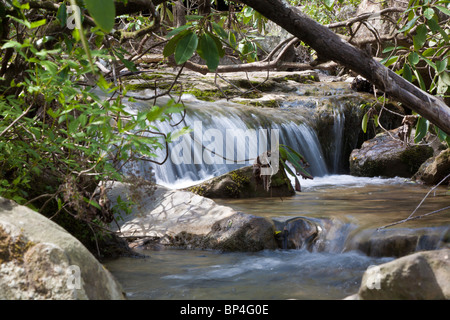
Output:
(413, 58)
(38, 23)
(427, 53)
(407, 73)
(329, 4)
(219, 45)
(420, 79)
(177, 30)
(232, 39)
(428, 13)
(219, 31)
(420, 37)
(127, 63)
(435, 27)
(207, 49)
(297, 160)
(421, 129)
(409, 25)
(179, 133)
(169, 49)
(193, 17)
(103, 12)
(364, 122)
(92, 203)
(288, 170)
(61, 15)
(155, 113)
(444, 10)
(24, 22)
(441, 65)
(389, 61)
(12, 44)
(442, 86)
(446, 78)
(186, 47)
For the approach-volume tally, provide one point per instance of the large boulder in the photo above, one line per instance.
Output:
(184, 219)
(435, 169)
(40, 260)
(384, 27)
(420, 276)
(387, 156)
(243, 183)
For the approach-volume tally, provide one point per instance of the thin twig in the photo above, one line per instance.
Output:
(431, 190)
(413, 218)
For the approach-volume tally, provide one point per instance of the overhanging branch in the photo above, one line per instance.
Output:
(330, 45)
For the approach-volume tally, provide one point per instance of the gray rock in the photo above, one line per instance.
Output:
(297, 233)
(242, 232)
(185, 219)
(388, 157)
(243, 183)
(399, 242)
(419, 276)
(40, 260)
(435, 169)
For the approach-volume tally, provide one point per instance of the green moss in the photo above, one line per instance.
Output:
(262, 103)
(265, 86)
(252, 95)
(301, 78)
(12, 249)
(139, 86)
(240, 179)
(415, 156)
(197, 190)
(205, 95)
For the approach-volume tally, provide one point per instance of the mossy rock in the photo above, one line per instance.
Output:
(242, 183)
(434, 169)
(388, 157)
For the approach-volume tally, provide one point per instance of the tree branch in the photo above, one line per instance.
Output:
(331, 46)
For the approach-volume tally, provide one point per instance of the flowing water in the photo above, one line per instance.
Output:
(348, 204)
(332, 273)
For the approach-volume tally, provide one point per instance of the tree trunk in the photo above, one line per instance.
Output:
(179, 13)
(330, 45)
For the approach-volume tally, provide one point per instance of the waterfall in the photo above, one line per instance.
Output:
(223, 129)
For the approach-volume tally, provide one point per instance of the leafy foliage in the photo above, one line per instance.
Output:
(64, 128)
(426, 61)
(289, 155)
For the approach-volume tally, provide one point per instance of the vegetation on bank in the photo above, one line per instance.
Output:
(64, 124)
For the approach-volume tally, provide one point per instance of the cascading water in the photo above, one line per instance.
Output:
(228, 133)
(223, 131)
(340, 204)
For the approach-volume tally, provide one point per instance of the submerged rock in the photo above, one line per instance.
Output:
(296, 233)
(178, 218)
(387, 156)
(399, 242)
(40, 260)
(242, 232)
(243, 183)
(419, 276)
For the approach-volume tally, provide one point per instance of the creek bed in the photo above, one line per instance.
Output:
(334, 273)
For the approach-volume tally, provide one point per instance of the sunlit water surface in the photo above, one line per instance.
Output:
(286, 274)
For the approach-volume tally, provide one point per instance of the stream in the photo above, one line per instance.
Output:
(324, 128)
(335, 272)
